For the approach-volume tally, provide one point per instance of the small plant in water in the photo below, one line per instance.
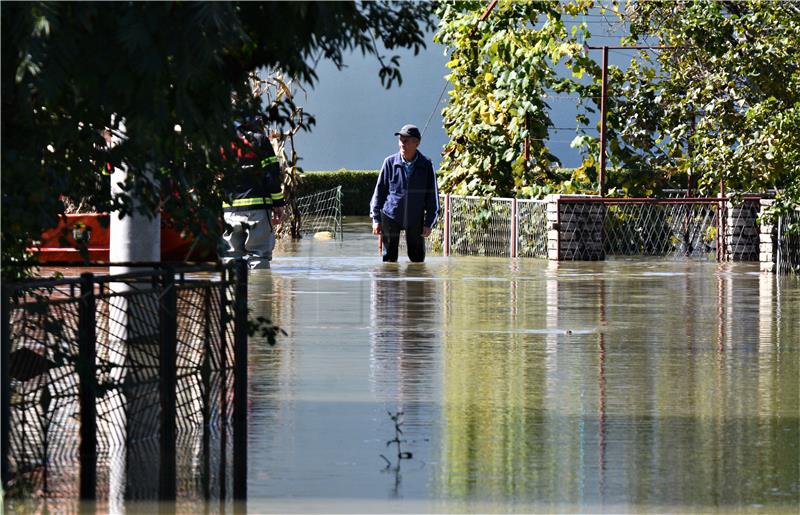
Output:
(401, 455)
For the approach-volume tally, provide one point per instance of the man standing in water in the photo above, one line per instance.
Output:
(405, 197)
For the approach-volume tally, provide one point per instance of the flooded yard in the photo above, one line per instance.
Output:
(522, 385)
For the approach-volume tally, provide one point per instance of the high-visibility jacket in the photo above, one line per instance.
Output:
(259, 186)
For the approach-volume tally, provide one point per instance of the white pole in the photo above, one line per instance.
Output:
(133, 331)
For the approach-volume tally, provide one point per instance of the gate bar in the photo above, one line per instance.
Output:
(5, 411)
(87, 374)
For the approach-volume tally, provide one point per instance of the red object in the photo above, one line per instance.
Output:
(60, 243)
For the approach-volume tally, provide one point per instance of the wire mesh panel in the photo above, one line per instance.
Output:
(532, 232)
(678, 228)
(480, 226)
(45, 330)
(788, 258)
(321, 211)
(43, 388)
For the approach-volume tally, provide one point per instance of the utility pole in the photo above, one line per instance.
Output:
(601, 176)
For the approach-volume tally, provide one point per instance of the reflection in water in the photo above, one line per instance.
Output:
(528, 386)
(405, 311)
(607, 406)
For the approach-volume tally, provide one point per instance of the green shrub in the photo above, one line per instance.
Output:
(357, 187)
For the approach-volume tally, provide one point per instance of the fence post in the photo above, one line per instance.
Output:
(224, 314)
(87, 376)
(339, 212)
(240, 384)
(446, 231)
(514, 227)
(779, 242)
(168, 329)
(5, 411)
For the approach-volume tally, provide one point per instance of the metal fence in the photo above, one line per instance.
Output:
(590, 228)
(129, 386)
(679, 228)
(788, 237)
(321, 211)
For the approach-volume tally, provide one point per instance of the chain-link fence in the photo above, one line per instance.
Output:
(788, 255)
(480, 226)
(126, 386)
(591, 228)
(321, 211)
(532, 232)
(676, 228)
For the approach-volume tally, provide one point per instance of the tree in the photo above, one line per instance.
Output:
(720, 104)
(72, 72)
(502, 69)
(731, 97)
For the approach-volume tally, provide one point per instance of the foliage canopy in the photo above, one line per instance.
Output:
(720, 104)
(73, 70)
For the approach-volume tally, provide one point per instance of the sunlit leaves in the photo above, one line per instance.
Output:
(501, 69)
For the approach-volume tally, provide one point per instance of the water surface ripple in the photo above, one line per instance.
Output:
(525, 385)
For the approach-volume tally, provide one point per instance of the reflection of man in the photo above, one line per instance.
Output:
(404, 315)
(405, 197)
(256, 199)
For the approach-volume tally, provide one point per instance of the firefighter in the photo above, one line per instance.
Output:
(256, 200)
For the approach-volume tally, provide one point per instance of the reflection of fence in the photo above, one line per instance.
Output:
(321, 211)
(591, 228)
(127, 386)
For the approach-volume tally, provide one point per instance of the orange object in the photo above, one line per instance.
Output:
(61, 242)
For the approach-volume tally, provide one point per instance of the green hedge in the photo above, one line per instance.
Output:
(357, 187)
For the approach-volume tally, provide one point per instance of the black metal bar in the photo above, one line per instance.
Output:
(5, 411)
(168, 329)
(240, 384)
(87, 374)
(205, 373)
(223, 391)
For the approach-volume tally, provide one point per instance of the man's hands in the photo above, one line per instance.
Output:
(376, 229)
(277, 215)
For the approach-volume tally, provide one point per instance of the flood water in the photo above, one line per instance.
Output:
(523, 385)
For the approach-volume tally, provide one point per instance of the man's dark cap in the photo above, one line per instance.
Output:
(409, 130)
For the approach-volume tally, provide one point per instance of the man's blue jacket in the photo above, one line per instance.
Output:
(411, 201)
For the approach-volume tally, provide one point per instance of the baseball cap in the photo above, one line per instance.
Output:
(409, 130)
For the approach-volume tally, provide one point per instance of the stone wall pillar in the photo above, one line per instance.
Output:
(768, 242)
(742, 232)
(575, 228)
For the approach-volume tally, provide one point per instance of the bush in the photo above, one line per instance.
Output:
(357, 187)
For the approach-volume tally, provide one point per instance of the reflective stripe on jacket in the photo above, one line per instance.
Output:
(259, 184)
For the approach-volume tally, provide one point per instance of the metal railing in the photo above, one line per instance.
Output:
(140, 376)
(788, 238)
(589, 228)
